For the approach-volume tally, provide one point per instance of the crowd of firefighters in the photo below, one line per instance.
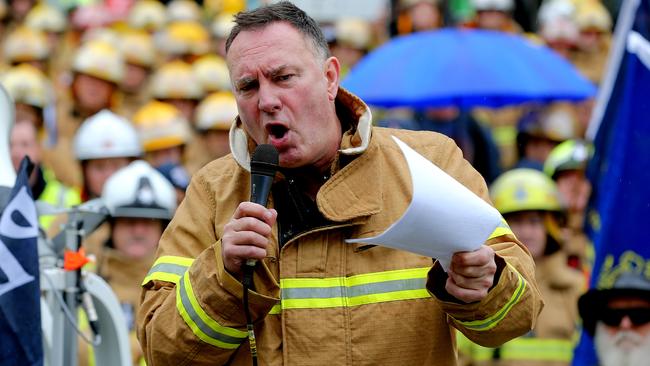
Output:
(128, 107)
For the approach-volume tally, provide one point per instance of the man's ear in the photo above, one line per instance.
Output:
(332, 74)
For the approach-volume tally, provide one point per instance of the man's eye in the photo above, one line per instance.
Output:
(246, 87)
(285, 77)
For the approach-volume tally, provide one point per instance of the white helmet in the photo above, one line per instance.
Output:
(499, 5)
(138, 190)
(183, 10)
(106, 135)
(553, 9)
(222, 25)
(354, 32)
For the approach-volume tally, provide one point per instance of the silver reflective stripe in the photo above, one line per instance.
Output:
(196, 319)
(353, 291)
(168, 268)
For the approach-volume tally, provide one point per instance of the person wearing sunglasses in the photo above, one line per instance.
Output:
(618, 318)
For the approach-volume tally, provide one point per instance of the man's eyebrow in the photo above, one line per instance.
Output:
(244, 81)
(278, 70)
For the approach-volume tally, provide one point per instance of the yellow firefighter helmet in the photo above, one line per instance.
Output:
(184, 38)
(25, 44)
(212, 72)
(175, 80)
(569, 155)
(138, 47)
(161, 126)
(101, 60)
(216, 112)
(46, 18)
(149, 15)
(28, 85)
(525, 190)
(592, 14)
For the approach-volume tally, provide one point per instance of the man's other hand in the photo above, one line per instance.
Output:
(246, 235)
(471, 274)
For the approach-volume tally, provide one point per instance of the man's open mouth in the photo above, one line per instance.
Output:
(277, 131)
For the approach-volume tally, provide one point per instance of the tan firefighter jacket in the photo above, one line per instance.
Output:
(318, 300)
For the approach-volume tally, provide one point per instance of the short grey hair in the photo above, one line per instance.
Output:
(283, 11)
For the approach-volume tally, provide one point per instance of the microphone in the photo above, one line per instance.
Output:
(264, 165)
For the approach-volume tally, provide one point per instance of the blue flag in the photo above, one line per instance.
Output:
(619, 210)
(20, 314)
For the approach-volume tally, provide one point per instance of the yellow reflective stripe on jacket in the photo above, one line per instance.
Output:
(538, 349)
(204, 327)
(521, 349)
(502, 229)
(369, 288)
(493, 321)
(276, 309)
(168, 268)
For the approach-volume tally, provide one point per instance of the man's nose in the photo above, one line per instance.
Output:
(268, 99)
(626, 323)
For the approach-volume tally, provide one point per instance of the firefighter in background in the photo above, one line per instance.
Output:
(48, 19)
(419, 15)
(214, 116)
(530, 203)
(164, 132)
(24, 142)
(140, 202)
(31, 92)
(595, 25)
(557, 27)
(98, 69)
(219, 30)
(175, 83)
(352, 41)
(566, 165)
(495, 15)
(541, 129)
(140, 56)
(104, 144)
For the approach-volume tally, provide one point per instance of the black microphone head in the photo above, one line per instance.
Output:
(264, 160)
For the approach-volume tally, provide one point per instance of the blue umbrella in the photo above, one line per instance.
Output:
(464, 68)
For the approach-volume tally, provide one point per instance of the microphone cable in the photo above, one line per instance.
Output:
(247, 283)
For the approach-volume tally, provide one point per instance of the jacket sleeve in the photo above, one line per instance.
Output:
(191, 311)
(514, 301)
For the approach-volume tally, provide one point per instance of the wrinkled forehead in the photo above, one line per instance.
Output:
(267, 38)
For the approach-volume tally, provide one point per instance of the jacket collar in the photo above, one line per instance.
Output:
(347, 194)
